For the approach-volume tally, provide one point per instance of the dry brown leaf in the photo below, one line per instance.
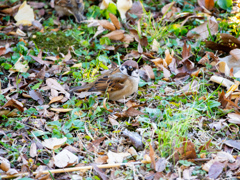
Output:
(169, 10)
(186, 151)
(206, 4)
(235, 53)
(12, 10)
(158, 62)
(8, 113)
(202, 32)
(115, 35)
(148, 69)
(152, 156)
(4, 164)
(127, 39)
(37, 96)
(136, 9)
(112, 120)
(101, 160)
(14, 103)
(56, 99)
(115, 20)
(107, 25)
(94, 144)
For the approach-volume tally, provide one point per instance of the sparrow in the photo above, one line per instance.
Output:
(119, 83)
(70, 7)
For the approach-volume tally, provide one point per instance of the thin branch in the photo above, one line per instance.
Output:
(54, 171)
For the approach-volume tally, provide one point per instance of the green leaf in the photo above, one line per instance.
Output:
(185, 163)
(212, 103)
(40, 133)
(143, 83)
(6, 66)
(224, 4)
(36, 86)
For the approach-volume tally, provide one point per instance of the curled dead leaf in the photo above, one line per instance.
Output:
(107, 25)
(115, 21)
(115, 35)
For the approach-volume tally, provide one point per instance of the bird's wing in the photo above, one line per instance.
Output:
(112, 82)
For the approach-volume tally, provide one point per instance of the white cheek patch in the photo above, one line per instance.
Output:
(124, 70)
(135, 73)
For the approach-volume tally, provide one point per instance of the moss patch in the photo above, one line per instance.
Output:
(55, 42)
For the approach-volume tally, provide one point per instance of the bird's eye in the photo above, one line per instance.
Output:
(136, 72)
(122, 69)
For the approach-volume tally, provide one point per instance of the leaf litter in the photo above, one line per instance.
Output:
(184, 120)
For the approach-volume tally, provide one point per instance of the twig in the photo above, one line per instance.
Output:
(69, 169)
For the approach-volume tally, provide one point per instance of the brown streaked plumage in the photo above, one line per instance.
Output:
(119, 82)
(70, 7)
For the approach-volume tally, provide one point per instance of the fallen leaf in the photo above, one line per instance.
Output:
(233, 143)
(14, 103)
(130, 112)
(107, 25)
(135, 139)
(101, 160)
(85, 94)
(234, 118)
(116, 157)
(223, 81)
(115, 21)
(100, 172)
(112, 120)
(25, 15)
(94, 144)
(202, 32)
(208, 4)
(37, 96)
(33, 150)
(54, 143)
(186, 151)
(148, 69)
(136, 9)
(215, 170)
(161, 165)
(19, 66)
(169, 10)
(115, 35)
(155, 45)
(4, 164)
(64, 159)
(205, 146)
(56, 99)
(12, 171)
(152, 156)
